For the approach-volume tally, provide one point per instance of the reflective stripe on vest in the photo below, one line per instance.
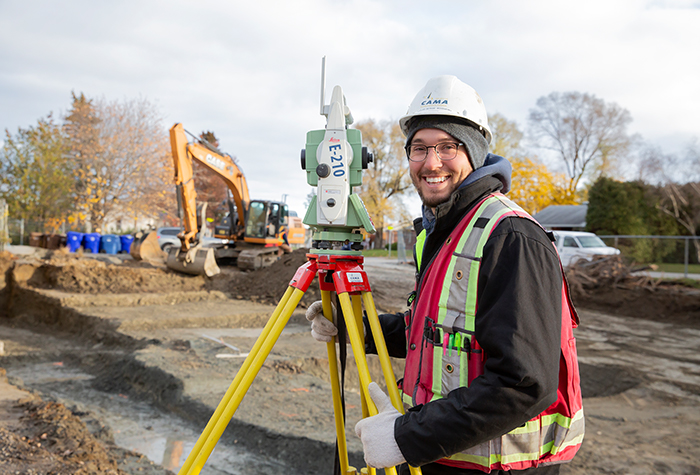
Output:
(418, 250)
(455, 360)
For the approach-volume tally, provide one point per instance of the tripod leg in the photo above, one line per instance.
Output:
(245, 380)
(357, 311)
(335, 388)
(234, 384)
(358, 351)
(382, 352)
(384, 360)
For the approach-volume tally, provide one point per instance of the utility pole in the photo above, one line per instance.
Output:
(390, 228)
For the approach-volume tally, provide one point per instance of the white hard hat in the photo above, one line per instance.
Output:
(448, 96)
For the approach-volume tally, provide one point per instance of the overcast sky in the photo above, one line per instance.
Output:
(250, 71)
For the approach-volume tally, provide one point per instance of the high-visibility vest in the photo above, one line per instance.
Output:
(443, 353)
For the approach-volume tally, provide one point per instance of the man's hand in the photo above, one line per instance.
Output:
(377, 432)
(322, 329)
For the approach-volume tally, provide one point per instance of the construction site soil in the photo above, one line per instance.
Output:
(176, 341)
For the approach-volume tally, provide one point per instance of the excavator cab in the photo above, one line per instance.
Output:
(229, 227)
(265, 221)
(253, 228)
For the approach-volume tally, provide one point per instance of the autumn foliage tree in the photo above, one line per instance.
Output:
(121, 161)
(386, 178)
(36, 180)
(81, 129)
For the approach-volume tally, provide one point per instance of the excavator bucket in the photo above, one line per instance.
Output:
(196, 261)
(145, 247)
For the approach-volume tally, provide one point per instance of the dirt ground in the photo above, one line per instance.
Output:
(44, 437)
(638, 348)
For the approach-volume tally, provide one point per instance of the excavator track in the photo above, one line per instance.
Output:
(251, 259)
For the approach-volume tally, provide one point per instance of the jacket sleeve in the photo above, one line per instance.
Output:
(518, 325)
(394, 331)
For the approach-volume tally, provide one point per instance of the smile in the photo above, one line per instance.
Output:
(435, 179)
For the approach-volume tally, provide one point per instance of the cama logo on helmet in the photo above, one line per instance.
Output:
(433, 102)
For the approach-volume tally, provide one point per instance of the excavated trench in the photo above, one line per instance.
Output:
(133, 424)
(140, 357)
(87, 361)
(141, 403)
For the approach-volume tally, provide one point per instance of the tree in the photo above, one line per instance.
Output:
(682, 203)
(121, 159)
(615, 207)
(587, 134)
(35, 175)
(679, 188)
(387, 177)
(81, 129)
(210, 187)
(533, 186)
(631, 208)
(507, 137)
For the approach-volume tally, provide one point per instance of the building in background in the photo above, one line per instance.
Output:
(563, 217)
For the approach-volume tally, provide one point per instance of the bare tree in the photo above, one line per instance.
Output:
(679, 192)
(138, 165)
(122, 161)
(587, 134)
(533, 186)
(507, 137)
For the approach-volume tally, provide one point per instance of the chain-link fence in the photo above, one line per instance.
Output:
(20, 231)
(680, 250)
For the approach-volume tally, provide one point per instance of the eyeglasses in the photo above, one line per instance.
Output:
(445, 151)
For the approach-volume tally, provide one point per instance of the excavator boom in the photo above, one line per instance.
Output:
(254, 227)
(183, 153)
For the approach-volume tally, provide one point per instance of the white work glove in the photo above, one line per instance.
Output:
(377, 432)
(322, 329)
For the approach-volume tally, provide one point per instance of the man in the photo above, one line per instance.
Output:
(284, 247)
(491, 378)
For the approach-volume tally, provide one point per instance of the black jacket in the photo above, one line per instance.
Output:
(518, 324)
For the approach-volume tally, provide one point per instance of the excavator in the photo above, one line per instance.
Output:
(252, 232)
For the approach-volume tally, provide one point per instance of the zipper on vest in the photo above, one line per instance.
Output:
(420, 362)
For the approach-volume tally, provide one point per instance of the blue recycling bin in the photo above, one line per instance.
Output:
(126, 241)
(91, 242)
(74, 240)
(109, 243)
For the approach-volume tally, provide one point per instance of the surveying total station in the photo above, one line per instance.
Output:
(333, 160)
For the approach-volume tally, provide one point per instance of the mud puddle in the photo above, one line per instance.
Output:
(134, 425)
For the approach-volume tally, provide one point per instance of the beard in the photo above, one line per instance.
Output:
(431, 201)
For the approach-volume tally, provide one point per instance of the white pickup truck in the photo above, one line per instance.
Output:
(575, 245)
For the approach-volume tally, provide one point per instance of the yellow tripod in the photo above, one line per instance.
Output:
(345, 275)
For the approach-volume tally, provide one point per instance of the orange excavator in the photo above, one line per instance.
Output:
(252, 233)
